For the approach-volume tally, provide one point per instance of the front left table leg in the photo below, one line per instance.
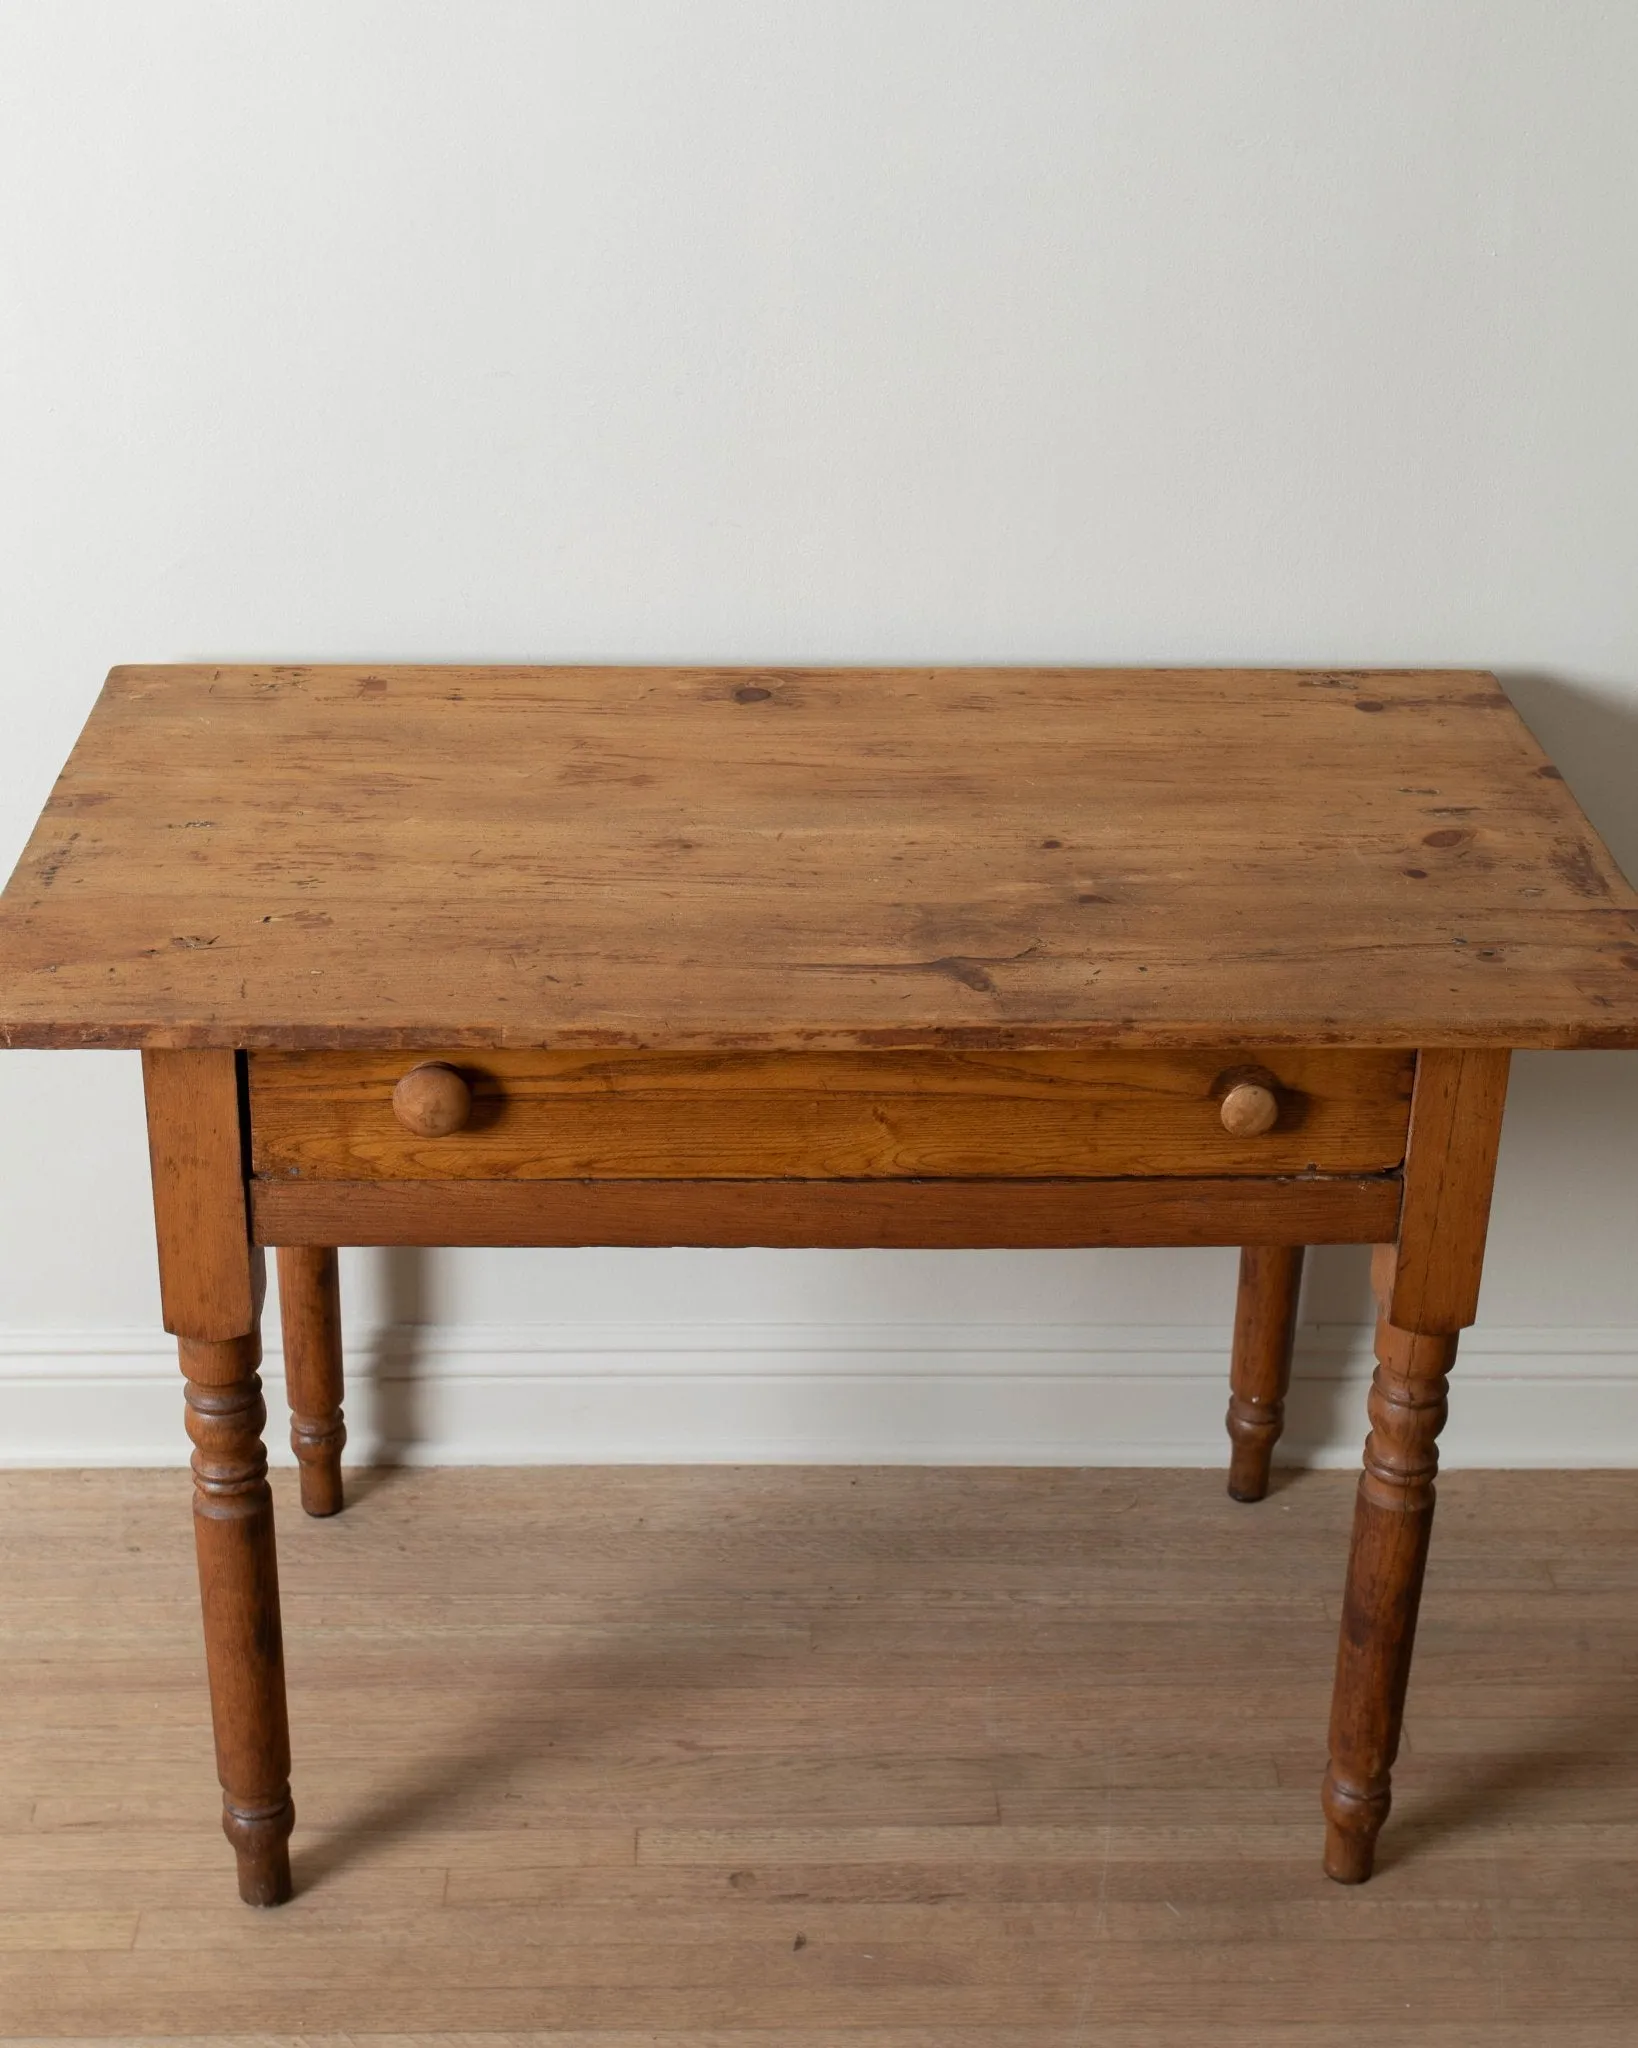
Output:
(239, 1596)
(211, 1284)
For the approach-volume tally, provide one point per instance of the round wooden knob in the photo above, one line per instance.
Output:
(432, 1100)
(1249, 1109)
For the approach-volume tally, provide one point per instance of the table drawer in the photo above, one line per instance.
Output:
(826, 1116)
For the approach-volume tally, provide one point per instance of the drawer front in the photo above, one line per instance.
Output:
(830, 1116)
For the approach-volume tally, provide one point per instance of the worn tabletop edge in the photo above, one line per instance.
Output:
(122, 671)
(465, 1036)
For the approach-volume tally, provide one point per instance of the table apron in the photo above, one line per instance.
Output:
(903, 1214)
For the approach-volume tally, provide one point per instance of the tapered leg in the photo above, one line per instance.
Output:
(1265, 1329)
(1428, 1288)
(211, 1283)
(310, 1311)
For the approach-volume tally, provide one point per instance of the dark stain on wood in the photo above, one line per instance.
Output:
(1575, 862)
(56, 861)
(970, 973)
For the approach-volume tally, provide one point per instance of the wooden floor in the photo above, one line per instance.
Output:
(824, 1759)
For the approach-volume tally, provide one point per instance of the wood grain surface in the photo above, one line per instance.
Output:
(314, 1372)
(1265, 1332)
(210, 1282)
(716, 859)
(1457, 1114)
(902, 1214)
(636, 1758)
(816, 1115)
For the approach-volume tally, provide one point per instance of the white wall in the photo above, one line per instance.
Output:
(1066, 330)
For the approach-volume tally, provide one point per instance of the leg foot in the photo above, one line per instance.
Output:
(1353, 1820)
(1265, 1328)
(261, 1842)
(310, 1310)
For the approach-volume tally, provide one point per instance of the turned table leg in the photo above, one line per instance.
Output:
(1428, 1289)
(1265, 1329)
(211, 1285)
(310, 1314)
(239, 1594)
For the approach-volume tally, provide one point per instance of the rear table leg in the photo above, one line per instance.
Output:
(1265, 1328)
(310, 1311)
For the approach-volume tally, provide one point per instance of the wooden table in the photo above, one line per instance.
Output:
(1005, 957)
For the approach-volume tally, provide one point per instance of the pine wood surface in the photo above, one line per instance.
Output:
(207, 1286)
(1458, 1105)
(818, 1115)
(899, 1214)
(839, 1759)
(780, 859)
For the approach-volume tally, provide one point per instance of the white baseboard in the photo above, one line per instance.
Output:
(1059, 1394)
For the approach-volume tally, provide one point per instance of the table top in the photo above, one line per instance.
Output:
(831, 858)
